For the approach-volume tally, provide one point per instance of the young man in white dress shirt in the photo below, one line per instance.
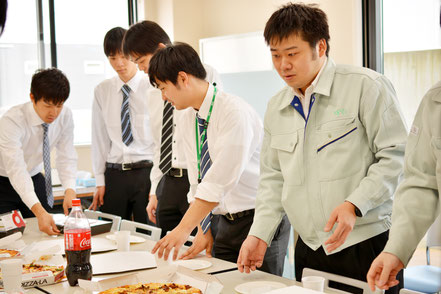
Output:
(122, 145)
(27, 134)
(168, 197)
(223, 136)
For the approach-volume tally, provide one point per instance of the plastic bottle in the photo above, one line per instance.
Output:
(77, 244)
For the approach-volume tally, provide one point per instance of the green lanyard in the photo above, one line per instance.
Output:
(204, 132)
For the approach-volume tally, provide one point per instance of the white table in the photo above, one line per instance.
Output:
(228, 279)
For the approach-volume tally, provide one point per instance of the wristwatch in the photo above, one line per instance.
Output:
(358, 212)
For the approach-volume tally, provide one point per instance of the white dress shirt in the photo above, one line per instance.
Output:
(21, 148)
(107, 144)
(234, 135)
(155, 107)
(306, 99)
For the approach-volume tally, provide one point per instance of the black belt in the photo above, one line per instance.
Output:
(177, 172)
(233, 216)
(131, 165)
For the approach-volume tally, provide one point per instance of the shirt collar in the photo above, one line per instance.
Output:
(323, 83)
(205, 106)
(311, 87)
(133, 83)
(33, 118)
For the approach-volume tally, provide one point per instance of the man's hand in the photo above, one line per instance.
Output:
(174, 240)
(151, 208)
(98, 197)
(251, 254)
(344, 215)
(383, 271)
(201, 241)
(46, 223)
(69, 194)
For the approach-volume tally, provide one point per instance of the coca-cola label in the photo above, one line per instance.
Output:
(75, 241)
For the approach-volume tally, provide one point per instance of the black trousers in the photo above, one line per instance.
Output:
(353, 262)
(172, 202)
(231, 234)
(127, 193)
(10, 200)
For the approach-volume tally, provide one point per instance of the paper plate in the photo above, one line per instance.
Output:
(258, 287)
(133, 239)
(117, 262)
(194, 264)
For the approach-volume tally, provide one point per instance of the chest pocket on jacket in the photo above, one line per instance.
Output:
(289, 153)
(338, 149)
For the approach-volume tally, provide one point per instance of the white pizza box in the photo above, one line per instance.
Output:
(294, 290)
(167, 274)
(124, 261)
(99, 244)
(41, 278)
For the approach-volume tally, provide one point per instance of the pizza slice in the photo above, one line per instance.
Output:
(153, 288)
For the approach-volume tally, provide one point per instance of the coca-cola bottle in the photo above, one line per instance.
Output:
(77, 244)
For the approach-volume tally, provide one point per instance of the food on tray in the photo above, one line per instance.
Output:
(35, 268)
(8, 253)
(153, 288)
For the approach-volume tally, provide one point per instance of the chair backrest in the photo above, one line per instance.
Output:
(433, 237)
(146, 231)
(336, 278)
(115, 219)
(407, 291)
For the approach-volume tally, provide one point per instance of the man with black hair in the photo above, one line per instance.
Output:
(168, 197)
(332, 154)
(223, 136)
(122, 146)
(28, 132)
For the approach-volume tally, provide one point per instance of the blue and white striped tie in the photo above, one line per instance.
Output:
(47, 165)
(205, 165)
(126, 128)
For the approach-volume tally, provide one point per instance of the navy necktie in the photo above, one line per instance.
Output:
(126, 128)
(204, 166)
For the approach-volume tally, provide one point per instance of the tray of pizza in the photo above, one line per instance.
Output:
(45, 270)
(173, 279)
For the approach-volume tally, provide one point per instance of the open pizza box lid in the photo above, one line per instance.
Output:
(170, 274)
(44, 277)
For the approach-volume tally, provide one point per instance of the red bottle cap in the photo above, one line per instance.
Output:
(76, 202)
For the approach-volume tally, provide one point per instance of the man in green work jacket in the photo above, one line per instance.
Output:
(332, 153)
(416, 203)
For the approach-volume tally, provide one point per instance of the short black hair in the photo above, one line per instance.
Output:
(51, 85)
(307, 21)
(166, 64)
(144, 38)
(3, 12)
(113, 41)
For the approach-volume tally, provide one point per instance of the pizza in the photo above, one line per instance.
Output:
(57, 271)
(153, 288)
(5, 253)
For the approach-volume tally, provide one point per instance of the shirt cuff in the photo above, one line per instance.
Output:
(100, 180)
(30, 199)
(399, 250)
(153, 188)
(209, 192)
(70, 184)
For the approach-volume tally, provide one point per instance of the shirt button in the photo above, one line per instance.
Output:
(174, 141)
(329, 136)
(174, 125)
(174, 158)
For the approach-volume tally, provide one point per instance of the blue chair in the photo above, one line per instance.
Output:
(426, 278)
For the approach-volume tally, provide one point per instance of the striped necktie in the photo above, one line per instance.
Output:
(205, 164)
(165, 161)
(47, 165)
(126, 128)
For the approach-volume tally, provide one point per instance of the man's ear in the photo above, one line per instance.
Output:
(322, 46)
(161, 46)
(32, 97)
(183, 77)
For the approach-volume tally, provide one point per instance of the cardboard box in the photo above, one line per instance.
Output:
(96, 226)
(41, 278)
(170, 274)
(11, 222)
